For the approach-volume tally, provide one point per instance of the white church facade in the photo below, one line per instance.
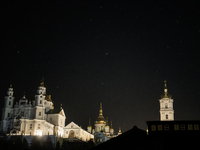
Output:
(36, 117)
(72, 131)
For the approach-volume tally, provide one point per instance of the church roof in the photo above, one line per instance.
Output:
(56, 111)
(53, 111)
(72, 125)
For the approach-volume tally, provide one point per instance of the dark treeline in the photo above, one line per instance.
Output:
(20, 143)
(15, 142)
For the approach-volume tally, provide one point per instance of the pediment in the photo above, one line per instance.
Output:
(72, 125)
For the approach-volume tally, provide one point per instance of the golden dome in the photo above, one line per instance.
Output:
(100, 119)
(165, 94)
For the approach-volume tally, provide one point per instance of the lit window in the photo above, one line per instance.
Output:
(190, 127)
(153, 128)
(176, 127)
(166, 127)
(196, 127)
(159, 127)
(182, 127)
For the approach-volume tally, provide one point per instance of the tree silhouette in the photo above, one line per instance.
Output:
(4, 143)
(16, 142)
(25, 145)
(58, 145)
(36, 143)
(64, 145)
(48, 144)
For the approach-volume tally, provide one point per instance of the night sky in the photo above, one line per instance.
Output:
(115, 52)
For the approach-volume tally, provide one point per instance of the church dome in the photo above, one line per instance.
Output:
(165, 94)
(100, 119)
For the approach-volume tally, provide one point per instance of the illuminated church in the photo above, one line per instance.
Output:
(37, 117)
(102, 131)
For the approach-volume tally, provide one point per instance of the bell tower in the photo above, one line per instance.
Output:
(7, 111)
(166, 105)
(8, 105)
(41, 94)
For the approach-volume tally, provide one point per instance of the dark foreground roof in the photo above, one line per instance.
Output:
(131, 139)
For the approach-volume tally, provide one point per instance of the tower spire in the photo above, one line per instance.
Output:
(100, 117)
(107, 122)
(42, 82)
(165, 87)
(165, 94)
(111, 125)
(24, 97)
(89, 122)
(100, 110)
